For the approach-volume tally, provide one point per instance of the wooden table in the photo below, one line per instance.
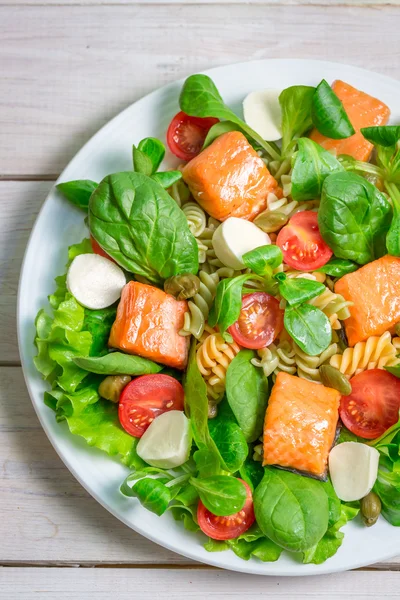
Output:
(65, 70)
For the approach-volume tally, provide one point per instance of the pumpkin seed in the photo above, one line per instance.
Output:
(333, 378)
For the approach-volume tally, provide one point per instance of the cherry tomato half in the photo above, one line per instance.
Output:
(301, 242)
(227, 528)
(146, 397)
(259, 323)
(97, 249)
(186, 135)
(373, 405)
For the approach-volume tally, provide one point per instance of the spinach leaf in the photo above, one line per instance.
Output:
(139, 225)
(393, 235)
(151, 493)
(247, 394)
(354, 217)
(334, 503)
(228, 302)
(291, 510)
(196, 408)
(263, 260)
(200, 98)
(78, 192)
(252, 473)
(154, 150)
(99, 323)
(117, 363)
(141, 162)
(309, 327)
(231, 443)
(312, 165)
(222, 495)
(337, 267)
(387, 135)
(167, 178)
(387, 487)
(219, 129)
(298, 290)
(295, 104)
(329, 115)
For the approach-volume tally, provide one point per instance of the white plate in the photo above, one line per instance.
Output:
(59, 225)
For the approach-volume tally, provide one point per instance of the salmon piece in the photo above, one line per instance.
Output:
(148, 322)
(229, 179)
(300, 425)
(375, 291)
(363, 110)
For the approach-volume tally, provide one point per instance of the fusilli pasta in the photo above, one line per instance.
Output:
(213, 357)
(179, 192)
(375, 353)
(279, 211)
(196, 218)
(333, 305)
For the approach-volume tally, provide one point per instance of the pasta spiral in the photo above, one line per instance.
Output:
(375, 353)
(279, 211)
(333, 305)
(213, 357)
(196, 218)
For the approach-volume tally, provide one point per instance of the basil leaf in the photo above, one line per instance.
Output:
(329, 115)
(309, 327)
(154, 150)
(384, 135)
(291, 510)
(200, 98)
(167, 178)
(227, 303)
(354, 217)
(296, 291)
(393, 235)
(117, 363)
(295, 104)
(263, 259)
(139, 225)
(312, 165)
(337, 267)
(247, 394)
(151, 493)
(78, 192)
(222, 495)
(219, 129)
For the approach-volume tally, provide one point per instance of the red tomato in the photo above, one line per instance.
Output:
(146, 397)
(260, 321)
(97, 249)
(373, 405)
(227, 528)
(186, 135)
(301, 242)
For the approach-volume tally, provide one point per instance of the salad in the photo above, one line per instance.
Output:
(230, 329)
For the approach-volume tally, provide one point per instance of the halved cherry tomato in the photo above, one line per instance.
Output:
(97, 249)
(186, 135)
(373, 405)
(227, 528)
(146, 397)
(301, 242)
(260, 321)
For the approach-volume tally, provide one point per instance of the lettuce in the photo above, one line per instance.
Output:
(70, 331)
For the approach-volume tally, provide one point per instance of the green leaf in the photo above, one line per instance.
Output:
(154, 150)
(200, 98)
(312, 165)
(247, 394)
(141, 162)
(329, 115)
(334, 503)
(264, 259)
(228, 302)
(117, 363)
(354, 217)
(222, 495)
(207, 462)
(152, 494)
(78, 192)
(167, 178)
(384, 135)
(252, 473)
(231, 443)
(295, 104)
(298, 290)
(393, 235)
(139, 225)
(309, 327)
(291, 510)
(387, 487)
(99, 323)
(219, 129)
(337, 267)
(263, 549)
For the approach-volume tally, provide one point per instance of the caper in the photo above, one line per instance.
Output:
(333, 378)
(112, 386)
(370, 507)
(270, 221)
(212, 410)
(182, 286)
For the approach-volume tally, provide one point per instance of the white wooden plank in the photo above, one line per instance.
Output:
(125, 584)
(46, 516)
(66, 70)
(171, 2)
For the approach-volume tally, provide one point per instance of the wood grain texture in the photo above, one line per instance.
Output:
(124, 584)
(172, 2)
(66, 70)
